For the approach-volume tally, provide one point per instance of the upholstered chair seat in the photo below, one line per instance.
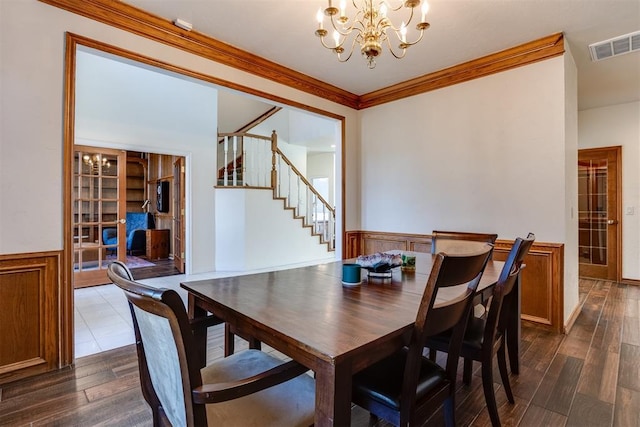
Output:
(383, 381)
(288, 404)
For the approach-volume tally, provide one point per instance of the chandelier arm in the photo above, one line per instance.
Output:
(326, 45)
(395, 9)
(353, 43)
(345, 31)
(395, 55)
(407, 44)
(397, 30)
(350, 30)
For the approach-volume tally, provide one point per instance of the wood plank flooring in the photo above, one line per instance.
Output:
(590, 377)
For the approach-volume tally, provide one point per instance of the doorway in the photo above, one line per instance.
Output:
(99, 186)
(599, 213)
(149, 123)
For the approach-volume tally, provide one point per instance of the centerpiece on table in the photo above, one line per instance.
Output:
(379, 264)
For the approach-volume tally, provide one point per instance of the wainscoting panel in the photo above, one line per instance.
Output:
(29, 314)
(542, 282)
(542, 278)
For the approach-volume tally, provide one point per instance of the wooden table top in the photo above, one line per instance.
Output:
(308, 308)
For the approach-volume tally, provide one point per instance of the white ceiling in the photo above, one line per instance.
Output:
(461, 30)
(122, 100)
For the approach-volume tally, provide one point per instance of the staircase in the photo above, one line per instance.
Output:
(233, 168)
(255, 161)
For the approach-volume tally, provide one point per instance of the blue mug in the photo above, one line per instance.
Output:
(351, 273)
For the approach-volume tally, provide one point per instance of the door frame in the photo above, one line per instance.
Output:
(98, 277)
(73, 41)
(179, 229)
(614, 153)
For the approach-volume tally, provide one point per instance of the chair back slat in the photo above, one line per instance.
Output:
(457, 241)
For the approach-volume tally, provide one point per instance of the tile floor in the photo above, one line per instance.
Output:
(102, 317)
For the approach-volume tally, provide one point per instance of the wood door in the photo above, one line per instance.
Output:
(599, 213)
(99, 209)
(178, 214)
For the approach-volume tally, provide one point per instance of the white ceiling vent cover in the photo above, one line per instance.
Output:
(616, 46)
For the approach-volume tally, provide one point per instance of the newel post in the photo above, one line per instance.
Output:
(274, 147)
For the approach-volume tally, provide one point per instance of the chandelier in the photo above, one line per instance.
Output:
(95, 161)
(370, 28)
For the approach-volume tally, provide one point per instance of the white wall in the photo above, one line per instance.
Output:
(31, 128)
(488, 155)
(571, 296)
(123, 105)
(258, 233)
(619, 125)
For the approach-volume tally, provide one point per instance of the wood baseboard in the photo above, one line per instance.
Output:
(572, 318)
(633, 282)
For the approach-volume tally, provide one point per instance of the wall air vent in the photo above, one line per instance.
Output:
(615, 46)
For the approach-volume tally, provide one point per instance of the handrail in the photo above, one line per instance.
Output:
(244, 134)
(252, 124)
(308, 204)
(313, 190)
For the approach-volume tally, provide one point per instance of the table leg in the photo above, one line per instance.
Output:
(333, 395)
(514, 329)
(199, 334)
(229, 341)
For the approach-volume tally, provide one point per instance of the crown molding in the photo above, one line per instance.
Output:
(525, 54)
(126, 17)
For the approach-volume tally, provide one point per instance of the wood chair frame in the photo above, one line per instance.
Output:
(168, 304)
(447, 271)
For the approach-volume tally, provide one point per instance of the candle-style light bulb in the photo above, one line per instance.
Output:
(343, 7)
(383, 10)
(425, 9)
(336, 38)
(403, 32)
(320, 18)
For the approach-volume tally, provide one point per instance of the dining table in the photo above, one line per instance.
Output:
(334, 329)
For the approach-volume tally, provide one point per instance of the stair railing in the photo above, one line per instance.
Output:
(245, 160)
(289, 183)
(246, 164)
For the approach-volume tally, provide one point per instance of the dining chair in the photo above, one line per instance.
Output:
(406, 387)
(461, 242)
(454, 241)
(249, 388)
(484, 337)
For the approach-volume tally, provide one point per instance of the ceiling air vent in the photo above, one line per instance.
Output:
(615, 46)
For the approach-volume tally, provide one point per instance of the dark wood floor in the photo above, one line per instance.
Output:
(590, 377)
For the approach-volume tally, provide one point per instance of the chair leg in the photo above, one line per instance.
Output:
(489, 393)
(229, 343)
(254, 344)
(449, 412)
(373, 420)
(504, 375)
(467, 371)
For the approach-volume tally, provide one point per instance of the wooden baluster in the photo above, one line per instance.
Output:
(274, 173)
(235, 155)
(226, 161)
